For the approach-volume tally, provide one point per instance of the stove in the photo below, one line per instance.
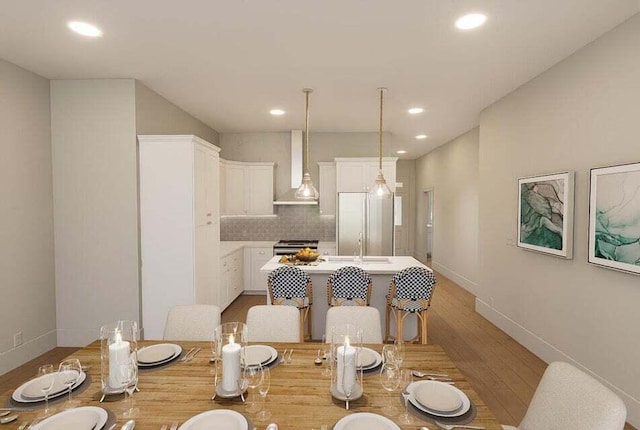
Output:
(288, 247)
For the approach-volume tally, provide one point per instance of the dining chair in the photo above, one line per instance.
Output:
(569, 399)
(410, 292)
(191, 322)
(289, 285)
(349, 286)
(269, 323)
(365, 317)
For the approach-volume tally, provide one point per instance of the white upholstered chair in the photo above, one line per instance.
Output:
(365, 317)
(569, 399)
(272, 323)
(191, 322)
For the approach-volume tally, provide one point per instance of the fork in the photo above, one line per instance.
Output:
(24, 425)
(164, 427)
(284, 356)
(456, 426)
(289, 359)
(186, 356)
(174, 426)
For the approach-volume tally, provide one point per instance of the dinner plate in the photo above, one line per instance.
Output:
(259, 354)
(437, 397)
(82, 418)
(369, 359)
(365, 421)
(466, 403)
(34, 384)
(155, 355)
(219, 418)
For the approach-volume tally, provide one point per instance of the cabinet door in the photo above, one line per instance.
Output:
(206, 239)
(212, 188)
(225, 280)
(200, 179)
(326, 250)
(235, 286)
(234, 190)
(259, 190)
(349, 177)
(259, 257)
(327, 191)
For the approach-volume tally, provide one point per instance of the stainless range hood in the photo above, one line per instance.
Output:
(288, 198)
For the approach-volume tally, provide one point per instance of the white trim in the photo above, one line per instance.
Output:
(29, 350)
(248, 163)
(157, 138)
(456, 277)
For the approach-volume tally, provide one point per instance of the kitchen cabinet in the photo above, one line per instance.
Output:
(359, 174)
(255, 282)
(327, 184)
(231, 271)
(179, 226)
(327, 248)
(248, 188)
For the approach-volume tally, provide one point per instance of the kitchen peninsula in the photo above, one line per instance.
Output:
(381, 269)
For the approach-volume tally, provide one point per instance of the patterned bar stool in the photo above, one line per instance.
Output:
(291, 286)
(410, 292)
(349, 286)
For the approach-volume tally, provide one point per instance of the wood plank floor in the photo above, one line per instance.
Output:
(500, 370)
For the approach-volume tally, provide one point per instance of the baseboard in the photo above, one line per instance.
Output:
(254, 293)
(29, 350)
(549, 353)
(459, 279)
(77, 337)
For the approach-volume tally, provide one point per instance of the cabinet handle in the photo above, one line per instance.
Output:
(209, 222)
(209, 214)
(261, 253)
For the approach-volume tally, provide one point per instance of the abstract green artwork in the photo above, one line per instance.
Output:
(614, 217)
(545, 214)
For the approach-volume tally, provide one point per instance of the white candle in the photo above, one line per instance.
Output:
(230, 365)
(118, 353)
(346, 358)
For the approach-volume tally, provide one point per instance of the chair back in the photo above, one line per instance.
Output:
(569, 399)
(349, 286)
(289, 285)
(411, 289)
(191, 322)
(365, 317)
(267, 323)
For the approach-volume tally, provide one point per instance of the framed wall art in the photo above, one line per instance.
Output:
(545, 214)
(614, 217)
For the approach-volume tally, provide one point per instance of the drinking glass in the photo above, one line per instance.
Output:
(263, 389)
(46, 376)
(129, 378)
(389, 353)
(70, 371)
(326, 347)
(399, 344)
(253, 375)
(390, 379)
(406, 379)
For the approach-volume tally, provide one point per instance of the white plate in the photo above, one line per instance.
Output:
(82, 418)
(371, 353)
(437, 397)
(155, 355)
(219, 418)
(466, 403)
(260, 354)
(18, 394)
(365, 421)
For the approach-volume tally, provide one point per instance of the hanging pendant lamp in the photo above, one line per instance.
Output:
(306, 190)
(380, 189)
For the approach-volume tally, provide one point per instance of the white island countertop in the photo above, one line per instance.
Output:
(371, 264)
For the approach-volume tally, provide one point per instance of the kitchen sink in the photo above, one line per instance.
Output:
(347, 259)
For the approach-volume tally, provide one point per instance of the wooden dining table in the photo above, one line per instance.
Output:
(299, 397)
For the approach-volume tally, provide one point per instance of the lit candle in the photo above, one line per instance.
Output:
(346, 358)
(230, 365)
(118, 353)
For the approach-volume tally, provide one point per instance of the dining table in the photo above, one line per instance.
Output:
(299, 396)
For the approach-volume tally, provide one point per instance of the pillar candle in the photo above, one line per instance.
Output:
(230, 365)
(118, 353)
(346, 357)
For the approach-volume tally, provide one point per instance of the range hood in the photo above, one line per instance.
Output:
(289, 198)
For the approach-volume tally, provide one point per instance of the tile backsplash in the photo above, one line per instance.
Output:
(289, 222)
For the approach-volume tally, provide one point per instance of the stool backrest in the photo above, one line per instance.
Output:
(349, 285)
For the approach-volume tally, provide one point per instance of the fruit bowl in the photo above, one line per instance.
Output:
(307, 255)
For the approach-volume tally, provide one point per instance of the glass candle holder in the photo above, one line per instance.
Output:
(118, 345)
(230, 341)
(346, 374)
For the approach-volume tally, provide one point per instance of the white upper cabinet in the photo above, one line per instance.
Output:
(327, 184)
(248, 188)
(359, 174)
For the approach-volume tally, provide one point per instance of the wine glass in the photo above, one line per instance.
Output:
(406, 379)
(263, 389)
(46, 376)
(390, 379)
(399, 344)
(70, 371)
(128, 368)
(389, 353)
(253, 376)
(326, 347)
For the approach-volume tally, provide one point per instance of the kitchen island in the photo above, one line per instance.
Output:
(381, 269)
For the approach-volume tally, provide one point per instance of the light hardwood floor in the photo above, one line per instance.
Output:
(502, 372)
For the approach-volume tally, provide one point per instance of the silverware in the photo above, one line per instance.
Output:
(194, 353)
(164, 427)
(129, 425)
(5, 413)
(24, 425)
(113, 427)
(186, 356)
(174, 426)
(8, 419)
(284, 356)
(290, 354)
(456, 426)
(420, 374)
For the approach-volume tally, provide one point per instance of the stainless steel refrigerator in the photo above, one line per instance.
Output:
(373, 218)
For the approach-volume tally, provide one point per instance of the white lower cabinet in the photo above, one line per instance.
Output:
(325, 250)
(231, 283)
(254, 281)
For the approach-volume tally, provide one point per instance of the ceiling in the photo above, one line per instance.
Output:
(228, 62)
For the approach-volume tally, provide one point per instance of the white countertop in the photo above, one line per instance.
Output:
(229, 247)
(375, 265)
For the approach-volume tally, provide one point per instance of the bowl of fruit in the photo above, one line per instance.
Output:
(307, 255)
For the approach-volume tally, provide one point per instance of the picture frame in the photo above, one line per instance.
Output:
(614, 217)
(545, 214)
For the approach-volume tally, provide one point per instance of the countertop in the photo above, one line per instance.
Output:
(372, 264)
(229, 247)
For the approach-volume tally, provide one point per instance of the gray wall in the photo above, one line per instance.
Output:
(581, 113)
(26, 215)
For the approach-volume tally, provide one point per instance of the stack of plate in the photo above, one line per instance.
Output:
(438, 399)
(365, 421)
(31, 391)
(157, 355)
(260, 354)
(83, 418)
(368, 359)
(219, 418)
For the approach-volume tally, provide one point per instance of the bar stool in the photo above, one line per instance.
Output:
(410, 292)
(291, 286)
(349, 286)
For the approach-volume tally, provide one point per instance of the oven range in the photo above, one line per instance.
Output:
(288, 247)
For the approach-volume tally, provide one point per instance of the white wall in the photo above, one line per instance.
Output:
(26, 216)
(581, 113)
(452, 172)
(93, 135)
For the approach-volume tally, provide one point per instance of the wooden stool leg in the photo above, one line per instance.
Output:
(309, 322)
(423, 326)
(399, 324)
(303, 314)
(387, 323)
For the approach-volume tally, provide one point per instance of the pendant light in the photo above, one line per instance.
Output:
(306, 190)
(380, 189)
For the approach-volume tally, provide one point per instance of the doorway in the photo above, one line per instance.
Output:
(428, 225)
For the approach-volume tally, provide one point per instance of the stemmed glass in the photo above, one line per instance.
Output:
(253, 376)
(390, 379)
(389, 353)
(406, 379)
(399, 344)
(70, 371)
(129, 379)
(47, 376)
(263, 389)
(325, 346)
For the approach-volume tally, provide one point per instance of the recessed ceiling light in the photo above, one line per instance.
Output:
(421, 136)
(402, 151)
(471, 21)
(276, 112)
(415, 110)
(84, 28)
